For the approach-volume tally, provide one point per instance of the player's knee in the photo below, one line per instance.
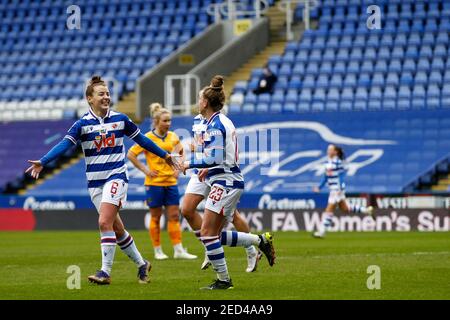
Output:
(206, 232)
(187, 211)
(173, 217)
(104, 224)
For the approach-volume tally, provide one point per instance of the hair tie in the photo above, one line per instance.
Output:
(216, 88)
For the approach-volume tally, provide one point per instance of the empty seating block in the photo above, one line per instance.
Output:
(41, 59)
(402, 66)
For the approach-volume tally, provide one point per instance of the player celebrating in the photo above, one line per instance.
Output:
(161, 183)
(197, 190)
(225, 179)
(334, 177)
(101, 132)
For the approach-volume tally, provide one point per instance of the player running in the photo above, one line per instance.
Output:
(334, 178)
(101, 132)
(197, 190)
(226, 181)
(161, 183)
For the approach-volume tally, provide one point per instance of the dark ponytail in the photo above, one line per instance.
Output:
(95, 81)
(340, 152)
(215, 94)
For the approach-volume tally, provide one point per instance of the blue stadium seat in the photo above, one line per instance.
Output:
(248, 108)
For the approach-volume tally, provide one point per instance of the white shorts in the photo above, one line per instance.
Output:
(222, 200)
(195, 186)
(336, 196)
(114, 192)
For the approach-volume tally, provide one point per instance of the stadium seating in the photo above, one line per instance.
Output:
(407, 143)
(22, 141)
(45, 65)
(343, 65)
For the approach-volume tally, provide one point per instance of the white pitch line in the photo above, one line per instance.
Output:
(385, 254)
(355, 255)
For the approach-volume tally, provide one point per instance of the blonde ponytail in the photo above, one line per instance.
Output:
(156, 111)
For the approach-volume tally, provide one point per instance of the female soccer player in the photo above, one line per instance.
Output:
(225, 179)
(197, 190)
(101, 132)
(334, 177)
(161, 183)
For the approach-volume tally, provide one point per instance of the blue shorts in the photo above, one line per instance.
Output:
(162, 196)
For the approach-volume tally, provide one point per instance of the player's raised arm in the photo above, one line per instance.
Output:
(57, 151)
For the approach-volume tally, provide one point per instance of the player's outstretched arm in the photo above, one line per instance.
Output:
(213, 156)
(152, 147)
(341, 177)
(322, 183)
(179, 150)
(35, 168)
(38, 165)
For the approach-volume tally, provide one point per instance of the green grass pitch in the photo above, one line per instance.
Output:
(413, 266)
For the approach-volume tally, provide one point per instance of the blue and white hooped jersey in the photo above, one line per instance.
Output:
(220, 152)
(102, 143)
(334, 174)
(198, 131)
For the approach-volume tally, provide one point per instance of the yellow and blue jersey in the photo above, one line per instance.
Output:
(166, 175)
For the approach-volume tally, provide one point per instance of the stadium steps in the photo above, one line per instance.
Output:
(443, 184)
(258, 61)
(50, 174)
(127, 105)
(277, 22)
(276, 47)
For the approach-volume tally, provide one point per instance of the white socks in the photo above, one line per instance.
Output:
(326, 223)
(241, 239)
(216, 256)
(108, 246)
(126, 243)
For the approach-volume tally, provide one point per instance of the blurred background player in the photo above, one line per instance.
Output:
(197, 190)
(101, 133)
(334, 177)
(226, 181)
(161, 183)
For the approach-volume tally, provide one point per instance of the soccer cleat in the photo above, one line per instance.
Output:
(183, 254)
(159, 255)
(318, 235)
(143, 271)
(266, 246)
(219, 285)
(206, 263)
(100, 278)
(252, 261)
